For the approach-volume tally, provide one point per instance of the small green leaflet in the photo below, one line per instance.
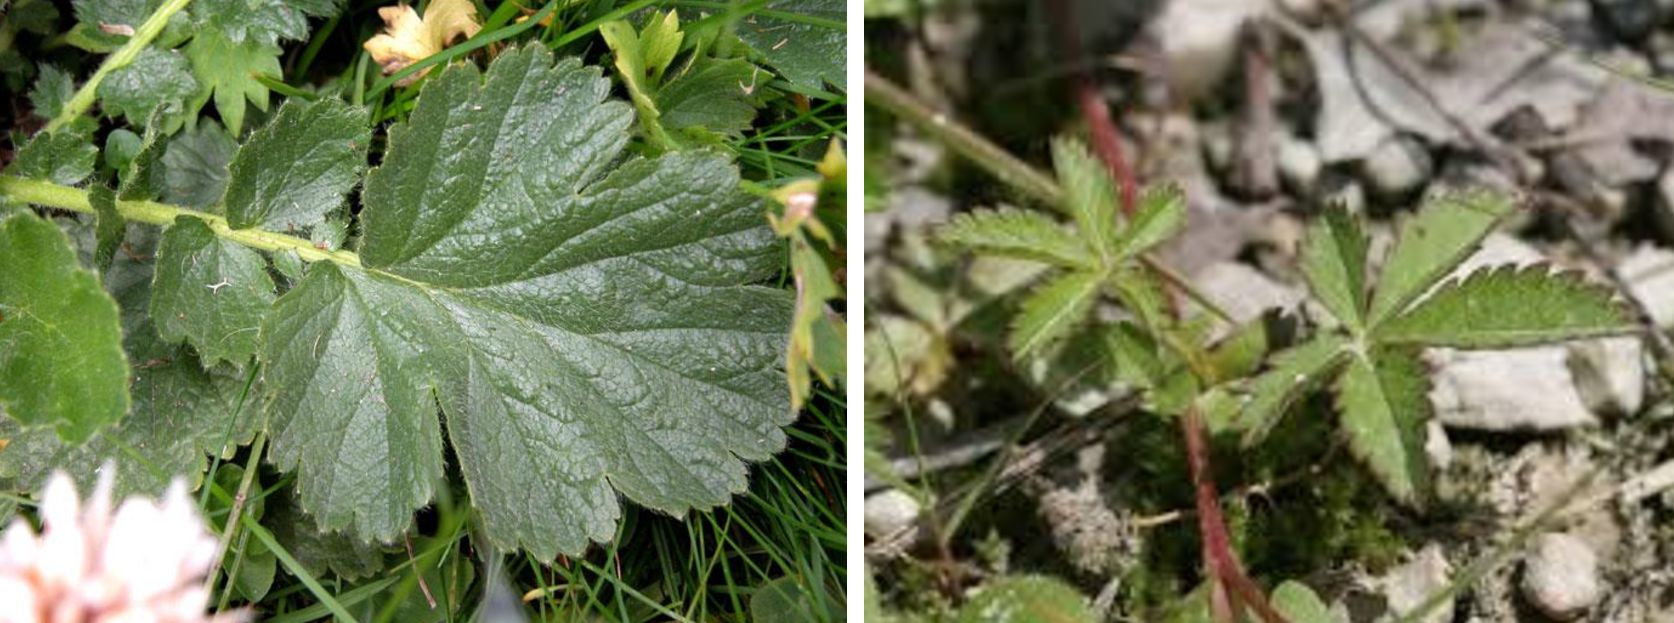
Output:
(1507, 307)
(1026, 599)
(583, 323)
(1294, 374)
(1384, 401)
(209, 292)
(52, 89)
(265, 22)
(1022, 234)
(66, 156)
(1333, 259)
(1089, 194)
(297, 168)
(1053, 311)
(1431, 243)
(803, 39)
(226, 70)
(157, 81)
(1299, 604)
(61, 359)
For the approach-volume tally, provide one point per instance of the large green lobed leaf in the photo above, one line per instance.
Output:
(585, 324)
(61, 359)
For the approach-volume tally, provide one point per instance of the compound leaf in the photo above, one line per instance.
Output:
(1333, 259)
(209, 292)
(1053, 311)
(297, 168)
(1294, 373)
(1018, 233)
(1383, 400)
(805, 40)
(584, 324)
(61, 359)
(1431, 244)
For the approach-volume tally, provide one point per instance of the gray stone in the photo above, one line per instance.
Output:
(1398, 166)
(1299, 165)
(1560, 576)
(1244, 292)
(889, 513)
(1649, 273)
(1406, 587)
(1609, 373)
(1489, 390)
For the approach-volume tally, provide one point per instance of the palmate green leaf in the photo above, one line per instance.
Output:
(1294, 373)
(1052, 311)
(296, 169)
(66, 156)
(1333, 259)
(1161, 215)
(209, 292)
(61, 360)
(181, 414)
(1089, 194)
(158, 80)
(1506, 307)
(227, 70)
(1431, 244)
(805, 40)
(584, 324)
(1383, 400)
(1021, 234)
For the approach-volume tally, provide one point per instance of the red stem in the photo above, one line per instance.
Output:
(1107, 143)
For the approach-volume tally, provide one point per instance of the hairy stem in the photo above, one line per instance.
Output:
(887, 95)
(143, 35)
(243, 496)
(75, 199)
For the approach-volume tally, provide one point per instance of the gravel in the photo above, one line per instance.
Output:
(1560, 577)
